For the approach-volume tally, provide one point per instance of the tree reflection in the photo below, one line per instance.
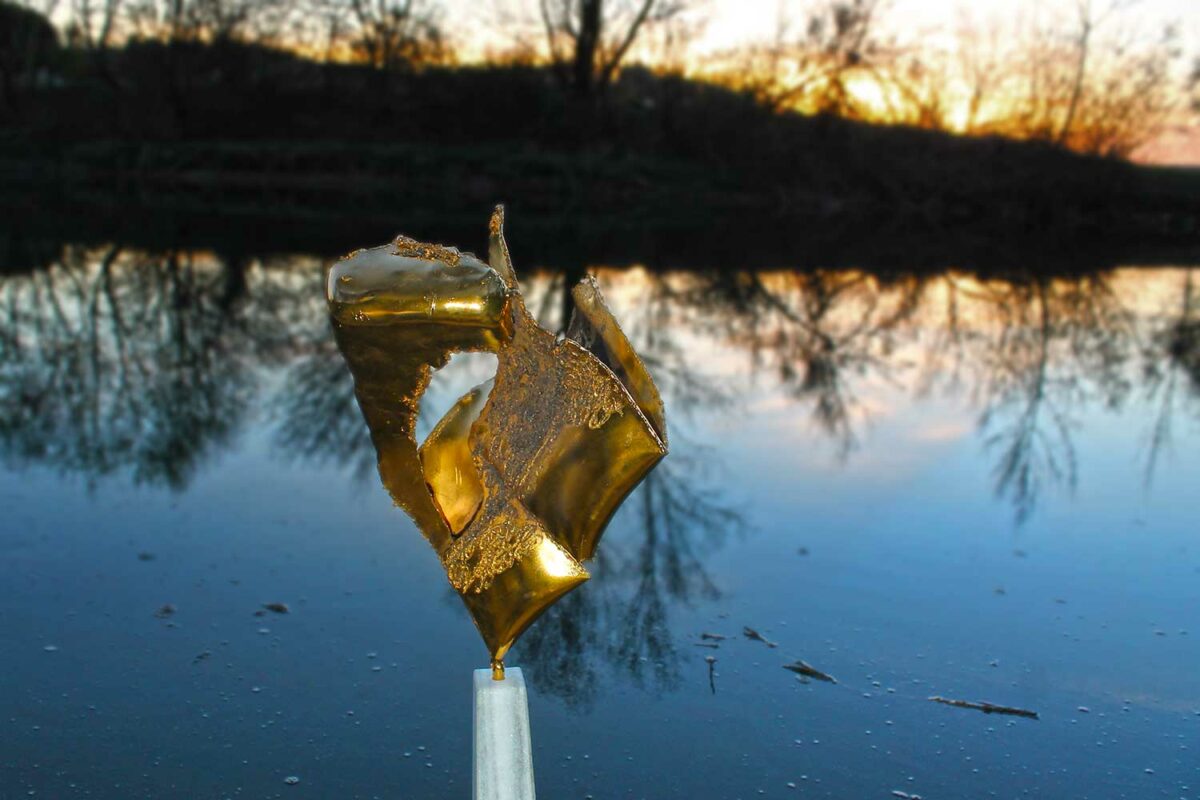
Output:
(1172, 358)
(149, 364)
(1048, 346)
(815, 331)
(114, 361)
(654, 556)
(652, 559)
(318, 417)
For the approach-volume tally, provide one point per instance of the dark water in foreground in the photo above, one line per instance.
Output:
(983, 490)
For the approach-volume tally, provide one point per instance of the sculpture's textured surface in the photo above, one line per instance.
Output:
(515, 485)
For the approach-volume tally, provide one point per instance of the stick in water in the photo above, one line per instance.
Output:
(754, 635)
(809, 671)
(987, 708)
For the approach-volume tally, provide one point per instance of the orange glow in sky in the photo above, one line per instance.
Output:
(722, 26)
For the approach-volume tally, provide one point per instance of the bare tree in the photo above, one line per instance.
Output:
(1096, 83)
(812, 58)
(589, 39)
(203, 21)
(979, 60)
(93, 23)
(391, 34)
(1194, 84)
(27, 40)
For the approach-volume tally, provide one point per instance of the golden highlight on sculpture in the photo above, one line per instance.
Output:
(515, 485)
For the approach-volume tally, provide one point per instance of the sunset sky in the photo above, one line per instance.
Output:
(732, 22)
(729, 23)
(726, 24)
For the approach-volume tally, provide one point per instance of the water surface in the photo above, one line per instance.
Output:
(941, 483)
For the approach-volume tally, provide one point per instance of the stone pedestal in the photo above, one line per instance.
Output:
(503, 754)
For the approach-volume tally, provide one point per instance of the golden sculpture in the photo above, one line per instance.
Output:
(515, 485)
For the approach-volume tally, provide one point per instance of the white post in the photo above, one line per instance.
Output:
(503, 754)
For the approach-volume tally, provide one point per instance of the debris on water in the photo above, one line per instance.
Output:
(802, 551)
(711, 661)
(256, 689)
(51, 648)
(165, 610)
(146, 556)
(291, 780)
(278, 608)
(1020, 553)
(905, 795)
(987, 708)
(709, 645)
(1000, 590)
(263, 631)
(201, 656)
(809, 671)
(754, 635)
(713, 637)
(1084, 710)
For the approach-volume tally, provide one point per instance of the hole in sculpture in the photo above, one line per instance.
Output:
(447, 386)
(453, 401)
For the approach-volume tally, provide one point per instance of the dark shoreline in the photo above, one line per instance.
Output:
(676, 225)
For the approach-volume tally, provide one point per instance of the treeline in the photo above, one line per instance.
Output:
(200, 107)
(1095, 76)
(1090, 76)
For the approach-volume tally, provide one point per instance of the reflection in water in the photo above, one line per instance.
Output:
(317, 414)
(1173, 358)
(148, 364)
(814, 330)
(1054, 345)
(675, 517)
(118, 360)
(124, 361)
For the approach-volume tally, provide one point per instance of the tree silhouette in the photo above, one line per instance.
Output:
(27, 43)
(589, 39)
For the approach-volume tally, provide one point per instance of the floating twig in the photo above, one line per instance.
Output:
(987, 708)
(809, 671)
(711, 661)
(709, 645)
(713, 637)
(750, 633)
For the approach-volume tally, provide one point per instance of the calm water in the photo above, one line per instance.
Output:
(984, 490)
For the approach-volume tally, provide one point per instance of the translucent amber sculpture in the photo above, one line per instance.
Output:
(515, 485)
